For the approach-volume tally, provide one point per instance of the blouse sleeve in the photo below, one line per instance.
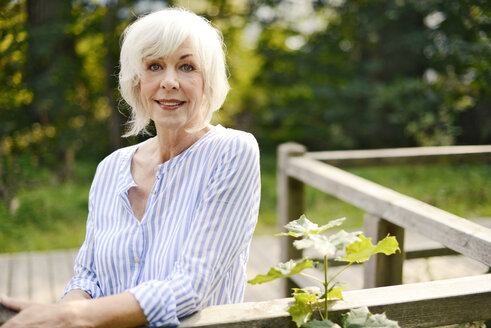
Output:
(85, 278)
(223, 227)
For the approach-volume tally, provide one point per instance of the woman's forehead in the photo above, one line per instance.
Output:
(185, 50)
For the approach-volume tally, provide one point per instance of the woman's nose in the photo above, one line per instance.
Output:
(169, 80)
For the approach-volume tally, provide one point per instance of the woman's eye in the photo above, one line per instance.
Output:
(187, 68)
(154, 67)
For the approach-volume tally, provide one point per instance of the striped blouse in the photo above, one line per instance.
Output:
(191, 247)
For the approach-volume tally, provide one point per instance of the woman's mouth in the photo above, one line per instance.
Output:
(171, 104)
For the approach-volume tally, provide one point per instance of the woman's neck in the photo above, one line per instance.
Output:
(170, 143)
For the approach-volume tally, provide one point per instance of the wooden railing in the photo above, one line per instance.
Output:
(387, 210)
(426, 304)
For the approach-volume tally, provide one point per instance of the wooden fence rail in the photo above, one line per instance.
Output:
(427, 304)
(388, 210)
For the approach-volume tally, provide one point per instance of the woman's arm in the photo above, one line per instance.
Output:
(75, 295)
(120, 310)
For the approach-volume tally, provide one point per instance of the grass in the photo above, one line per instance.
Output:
(47, 215)
(51, 215)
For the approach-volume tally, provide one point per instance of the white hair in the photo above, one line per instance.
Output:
(159, 34)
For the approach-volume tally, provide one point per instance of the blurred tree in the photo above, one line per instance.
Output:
(53, 75)
(346, 74)
(327, 73)
(13, 93)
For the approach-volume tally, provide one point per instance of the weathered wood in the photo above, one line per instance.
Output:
(405, 156)
(19, 277)
(382, 270)
(4, 274)
(41, 289)
(264, 253)
(61, 264)
(426, 304)
(450, 230)
(429, 252)
(291, 205)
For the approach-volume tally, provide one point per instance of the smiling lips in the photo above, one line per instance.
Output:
(170, 104)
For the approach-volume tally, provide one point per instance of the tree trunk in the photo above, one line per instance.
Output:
(52, 73)
(111, 41)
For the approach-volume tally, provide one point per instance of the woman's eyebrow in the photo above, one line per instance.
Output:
(185, 56)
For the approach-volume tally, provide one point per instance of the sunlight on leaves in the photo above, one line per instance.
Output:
(307, 290)
(328, 246)
(361, 317)
(335, 293)
(342, 239)
(320, 243)
(303, 227)
(301, 311)
(282, 270)
(361, 251)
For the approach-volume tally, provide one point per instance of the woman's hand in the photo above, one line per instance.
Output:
(117, 311)
(33, 314)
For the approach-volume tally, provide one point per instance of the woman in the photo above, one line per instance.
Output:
(170, 219)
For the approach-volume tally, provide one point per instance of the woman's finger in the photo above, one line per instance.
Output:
(15, 304)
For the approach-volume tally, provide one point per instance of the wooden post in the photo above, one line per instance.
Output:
(382, 270)
(290, 193)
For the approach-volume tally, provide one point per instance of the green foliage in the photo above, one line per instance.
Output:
(360, 251)
(307, 300)
(282, 270)
(374, 73)
(361, 317)
(329, 246)
(356, 318)
(301, 311)
(46, 214)
(304, 227)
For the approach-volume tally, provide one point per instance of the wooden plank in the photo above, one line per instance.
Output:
(427, 304)
(290, 202)
(383, 270)
(19, 279)
(454, 232)
(429, 252)
(4, 273)
(41, 289)
(264, 253)
(61, 270)
(405, 156)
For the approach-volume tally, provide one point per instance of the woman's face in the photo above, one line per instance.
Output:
(171, 89)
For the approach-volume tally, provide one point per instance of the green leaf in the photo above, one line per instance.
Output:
(321, 324)
(361, 251)
(306, 298)
(361, 317)
(301, 311)
(335, 293)
(342, 239)
(307, 290)
(328, 246)
(303, 227)
(320, 243)
(282, 270)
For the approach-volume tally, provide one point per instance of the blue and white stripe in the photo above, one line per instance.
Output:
(191, 247)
